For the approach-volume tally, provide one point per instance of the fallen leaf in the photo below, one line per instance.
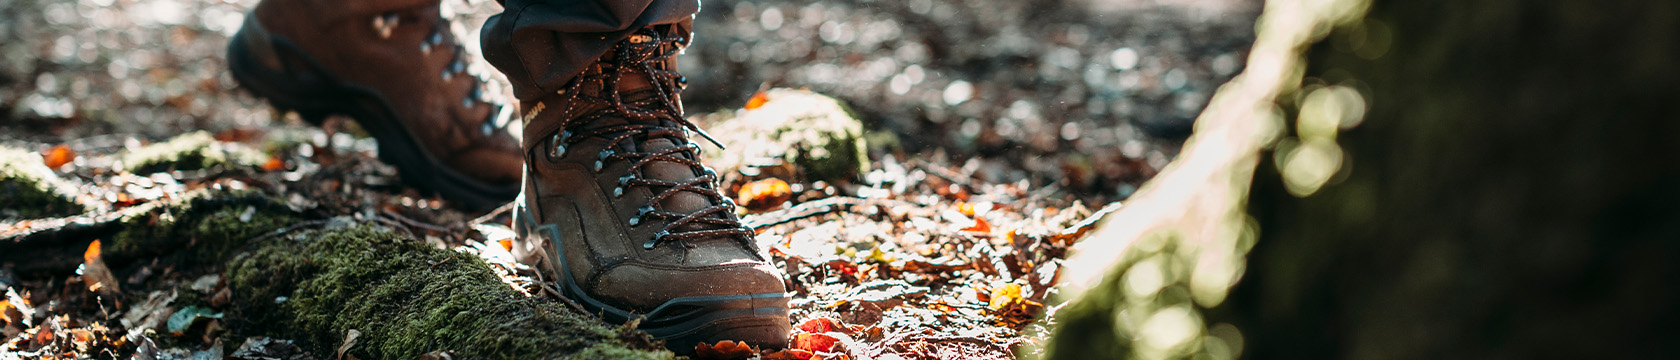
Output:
(790, 354)
(95, 274)
(980, 226)
(758, 99)
(822, 325)
(815, 342)
(349, 342)
(438, 355)
(724, 350)
(274, 164)
(263, 348)
(764, 194)
(188, 317)
(1005, 296)
(58, 156)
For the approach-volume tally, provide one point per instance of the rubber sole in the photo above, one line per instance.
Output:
(757, 319)
(274, 68)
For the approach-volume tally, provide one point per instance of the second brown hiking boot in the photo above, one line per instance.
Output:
(619, 211)
(395, 67)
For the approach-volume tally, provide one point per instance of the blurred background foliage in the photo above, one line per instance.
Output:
(1450, 179)
(1090, 96)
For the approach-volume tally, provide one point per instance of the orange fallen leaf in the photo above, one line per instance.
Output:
(58, 156)
(724, 350)
(1005, 296)
(274, 164)
(822, 325)
(92, 253)
(95, 274)
(790, 354)
(764, 194)
(980, 226)
(815, 342)
(758, 99)
(81, 336)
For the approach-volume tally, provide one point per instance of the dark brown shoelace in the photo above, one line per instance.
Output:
(652, 113)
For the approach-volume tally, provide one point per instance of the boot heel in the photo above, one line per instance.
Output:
(272, 68)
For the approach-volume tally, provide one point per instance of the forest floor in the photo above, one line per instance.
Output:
(940, 247)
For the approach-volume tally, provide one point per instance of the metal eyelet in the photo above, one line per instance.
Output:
(488, 128)
(447, 74)
(385, 23)
(559, 146)
(654, 241)
(618, 192)
(640, 213)
(600, 160)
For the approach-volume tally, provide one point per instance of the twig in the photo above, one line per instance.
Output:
(492, 215)
(568, 301)
(964, 339)
(1083, 226)
(415, 223)
(945, 173)
(815, 208)
(287, 230)
(544, 283)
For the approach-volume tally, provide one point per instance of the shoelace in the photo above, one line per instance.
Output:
(654, 113)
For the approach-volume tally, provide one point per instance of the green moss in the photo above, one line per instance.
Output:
(215, 223)
(191, 151)
(816, 133)
(407, 298)
(30, 190)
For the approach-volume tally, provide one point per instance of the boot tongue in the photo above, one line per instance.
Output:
(634, 86)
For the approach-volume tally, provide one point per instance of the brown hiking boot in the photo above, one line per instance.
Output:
(618, 209)
(395, 67)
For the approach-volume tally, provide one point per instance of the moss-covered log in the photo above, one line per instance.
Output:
(407, 298)
(30, 190)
